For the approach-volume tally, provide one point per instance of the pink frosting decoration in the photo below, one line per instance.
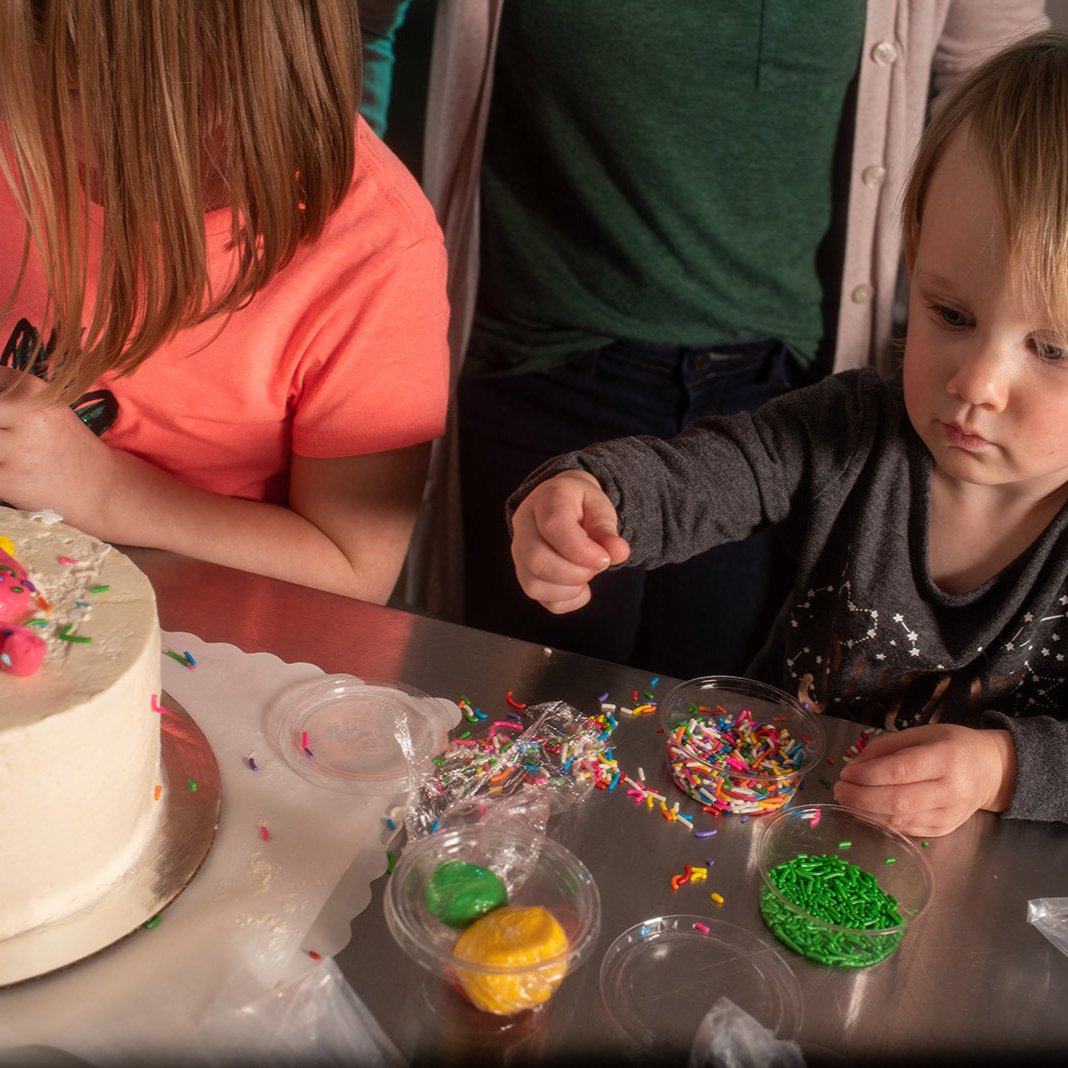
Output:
(21, 651)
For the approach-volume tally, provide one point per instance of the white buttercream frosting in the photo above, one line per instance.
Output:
(79, 740)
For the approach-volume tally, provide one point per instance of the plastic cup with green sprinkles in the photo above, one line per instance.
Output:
(839, 887)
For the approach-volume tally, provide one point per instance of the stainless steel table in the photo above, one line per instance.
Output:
(973, 981)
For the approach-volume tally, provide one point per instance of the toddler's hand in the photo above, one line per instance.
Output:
(563, 534)
(928, 780)
(48, 457)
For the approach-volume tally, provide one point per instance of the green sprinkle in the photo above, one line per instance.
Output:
(924, 843)
(99, 589)
(890, 860)
(192, 783)
(844, 845)
(177, 656)
(466, 734)
(36, 622)
(65, 635)
(826, 783)
(154, 922)
(817, 891)
(391, 861)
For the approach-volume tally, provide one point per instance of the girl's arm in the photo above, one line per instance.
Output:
(346, 530)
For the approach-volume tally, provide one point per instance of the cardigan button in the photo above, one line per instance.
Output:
(884, 53)
(874, 175)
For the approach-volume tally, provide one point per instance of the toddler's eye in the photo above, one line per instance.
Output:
(951, 317)
(1049, 352)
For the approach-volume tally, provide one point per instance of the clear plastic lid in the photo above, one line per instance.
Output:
(360, 736)
(660, 977)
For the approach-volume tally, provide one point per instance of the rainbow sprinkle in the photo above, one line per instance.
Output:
(732, 763)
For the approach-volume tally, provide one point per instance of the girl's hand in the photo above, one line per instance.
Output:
(563, 534)
(928, 780)
(48, 457)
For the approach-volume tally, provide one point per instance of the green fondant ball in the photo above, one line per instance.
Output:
(459, 892)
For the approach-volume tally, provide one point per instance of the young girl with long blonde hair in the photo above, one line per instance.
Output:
(222, 303)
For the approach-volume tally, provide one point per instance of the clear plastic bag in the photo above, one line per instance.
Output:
(552, 757)
(1050, 916)
(528, 804)
(730, 1038)
(314, 1018)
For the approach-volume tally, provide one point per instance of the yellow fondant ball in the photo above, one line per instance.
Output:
(510, 937)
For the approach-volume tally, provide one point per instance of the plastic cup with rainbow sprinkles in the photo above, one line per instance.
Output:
(737, 745)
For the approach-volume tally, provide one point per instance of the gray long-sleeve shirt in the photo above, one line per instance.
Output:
(866, 633)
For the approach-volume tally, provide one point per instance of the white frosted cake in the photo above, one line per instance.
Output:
(79, 734)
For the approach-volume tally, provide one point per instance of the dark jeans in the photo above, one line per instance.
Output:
(706, 616)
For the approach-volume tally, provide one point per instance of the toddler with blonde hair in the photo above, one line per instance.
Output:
(927, 513)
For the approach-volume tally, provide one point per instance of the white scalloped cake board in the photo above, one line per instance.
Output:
(242, 923)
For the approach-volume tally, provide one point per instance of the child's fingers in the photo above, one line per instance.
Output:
(563, 534)
(926, 780)
(617, 548)
(907, 756)
(908, 764)
(885, 799)
(914, 810)
(563, 600)
(575, 521)
(600, 523)
(545, 576)
(567, 520)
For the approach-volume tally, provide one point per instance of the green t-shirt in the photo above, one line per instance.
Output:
(663, 172)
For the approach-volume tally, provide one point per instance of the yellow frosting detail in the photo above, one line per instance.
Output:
(511, 937)
(7, 545)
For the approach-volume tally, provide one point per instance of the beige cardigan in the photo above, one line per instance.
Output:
(910, 47)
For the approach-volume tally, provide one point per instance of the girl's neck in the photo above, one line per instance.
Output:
(976, 531)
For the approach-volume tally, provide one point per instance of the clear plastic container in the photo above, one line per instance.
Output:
(538, 874)
(660, 977)
(361, 736)
(899, 881)
(716, 728)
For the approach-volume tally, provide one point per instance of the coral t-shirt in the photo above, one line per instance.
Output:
(343, 352)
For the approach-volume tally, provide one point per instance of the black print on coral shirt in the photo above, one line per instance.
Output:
(98, 409)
